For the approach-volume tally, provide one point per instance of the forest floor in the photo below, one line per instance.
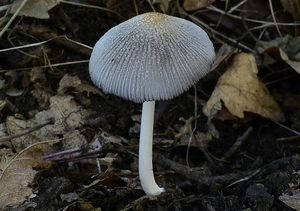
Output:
(66, 145)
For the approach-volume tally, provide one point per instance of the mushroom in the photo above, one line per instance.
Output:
(150, 57)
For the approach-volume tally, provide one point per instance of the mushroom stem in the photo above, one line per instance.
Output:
(145, 151)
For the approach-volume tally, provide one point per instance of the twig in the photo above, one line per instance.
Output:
(64, 41)
(240, 140)
(13, 17)
(47, 66)
(291, 138)
(215, 9)
(196, 176)
(91, 6)
(236, 6)
(72, 44)
(194, 129)
(25, 132)
(26, 46)
(151, 5)
(287, 128)
(136, 8)
(197, 21)
(235, 42)
(245, 178)
(274, 18)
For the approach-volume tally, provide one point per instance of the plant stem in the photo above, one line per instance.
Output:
(145, 151)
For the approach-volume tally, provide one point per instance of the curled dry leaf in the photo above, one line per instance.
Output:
(292, 200)
(287, 48)
(192, 5)
(240, 90)
(293, 64)
(35, 8)
(20, 172)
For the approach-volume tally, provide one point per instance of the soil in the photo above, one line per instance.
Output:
(263, 165)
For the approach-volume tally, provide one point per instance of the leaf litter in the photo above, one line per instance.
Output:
(19, 173)
(240, 90)
(46, 96)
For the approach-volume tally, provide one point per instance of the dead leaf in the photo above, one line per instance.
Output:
(14, 126)
(73, 139)
(66, 112)
(41, 95)
(69, 197)
(240, 90)
(287, 48)
(108, 159)
(223, 55)
(292, 6)
(294, 64)
(200, 140)
(2, 104)
(6, 155)
(35, 8)
(20, 172)
(13, 92)
(74, 82)
(110, 179)
(292, 201)
(192, 5)
(68, 82)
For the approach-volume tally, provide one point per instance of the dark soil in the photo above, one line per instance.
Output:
(250, 177)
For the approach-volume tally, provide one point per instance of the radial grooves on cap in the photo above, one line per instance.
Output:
(151, 57)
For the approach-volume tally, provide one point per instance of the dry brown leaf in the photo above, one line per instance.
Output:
(292, 201)
(192, 5)
(66, 112)
(287, 48)
(241, 91)
(292, 6)
(35, 8)
(294, 64)
(74, 82)
(6, 155)
(73, 139)
(186, 136)
(20, 172)
(14, 126)
(223, 55)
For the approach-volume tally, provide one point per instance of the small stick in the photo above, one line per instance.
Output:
(244, 178)
(240, 140)
(287, 128)
(291, 138)
(25, 132)
(13, 17)
(274, 18)
(48, 66)
(197, 176)
(151, 5)
(266, 23)
(213, 31)
(91, 6)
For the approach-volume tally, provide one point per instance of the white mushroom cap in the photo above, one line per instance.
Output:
(151, 57)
